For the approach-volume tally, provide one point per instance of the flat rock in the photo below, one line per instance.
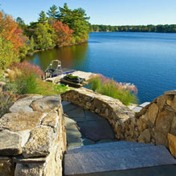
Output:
(96, 130)
(10, 143)
(39, 143)
(46, 104)
(116, 160)
(68, 121)
(92, 116)
(21, 121)
(23, 105)
(51, 119)
(114, 146)
(68, 106)
(77, 114)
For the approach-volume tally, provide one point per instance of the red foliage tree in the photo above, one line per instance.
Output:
(63, 33)
(10, 31)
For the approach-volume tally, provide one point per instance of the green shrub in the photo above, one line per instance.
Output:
(124, 92)
(26, 79)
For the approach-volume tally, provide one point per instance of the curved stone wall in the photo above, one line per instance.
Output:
(113, 110)
(153, 124)
(156, 123)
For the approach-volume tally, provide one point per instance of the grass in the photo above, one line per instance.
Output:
(126, 93)
(25, 78)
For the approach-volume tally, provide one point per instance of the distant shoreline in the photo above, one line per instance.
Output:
(171, 28)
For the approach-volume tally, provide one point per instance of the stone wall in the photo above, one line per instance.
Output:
(32, 138)
(153, 124)
(156, 123)
(113, 110)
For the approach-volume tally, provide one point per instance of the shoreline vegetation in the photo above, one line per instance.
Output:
(58, 27)
(167, 28)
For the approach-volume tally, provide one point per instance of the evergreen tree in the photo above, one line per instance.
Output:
(77, 20)
(53, 12)
(42, 17)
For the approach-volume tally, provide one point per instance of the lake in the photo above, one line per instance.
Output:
(147, 60)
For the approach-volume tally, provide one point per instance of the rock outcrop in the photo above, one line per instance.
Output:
(32, 137)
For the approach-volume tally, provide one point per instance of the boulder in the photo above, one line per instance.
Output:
(152, 113)
(145, 136)
(164, 121)
(172, 144)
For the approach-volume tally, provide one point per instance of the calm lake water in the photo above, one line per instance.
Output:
(146, 59)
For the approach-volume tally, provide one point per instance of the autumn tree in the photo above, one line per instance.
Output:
(7, 54)
(12, 41)
(63, 34)
(10, 31)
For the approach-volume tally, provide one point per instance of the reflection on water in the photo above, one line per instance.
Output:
(147, 60)
(70, 57)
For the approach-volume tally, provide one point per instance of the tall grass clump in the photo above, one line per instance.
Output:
(25, 78)
(125, 92)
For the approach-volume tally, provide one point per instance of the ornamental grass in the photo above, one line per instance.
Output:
(125, 92)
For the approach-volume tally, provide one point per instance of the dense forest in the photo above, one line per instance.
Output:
(58, 27)
(139, 28)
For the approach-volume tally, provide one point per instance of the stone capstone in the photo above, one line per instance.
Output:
(51, 119)
(23, 105)
(21, 121)
(10, 143)
(46, 104)
(39, 143)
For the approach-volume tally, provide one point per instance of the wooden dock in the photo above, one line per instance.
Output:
(81, 74)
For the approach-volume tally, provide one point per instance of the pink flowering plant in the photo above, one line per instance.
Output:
(125, 92)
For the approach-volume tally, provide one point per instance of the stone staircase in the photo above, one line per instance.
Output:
(119, 158)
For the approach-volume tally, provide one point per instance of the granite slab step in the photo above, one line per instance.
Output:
(93, 162)
(107, 146)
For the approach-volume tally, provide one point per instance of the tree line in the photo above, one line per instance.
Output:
(132, 28)
(58, 27)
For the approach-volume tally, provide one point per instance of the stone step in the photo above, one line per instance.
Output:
(106, 146)
(114, 161)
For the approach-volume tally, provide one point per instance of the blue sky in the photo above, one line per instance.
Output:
(113, 12)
